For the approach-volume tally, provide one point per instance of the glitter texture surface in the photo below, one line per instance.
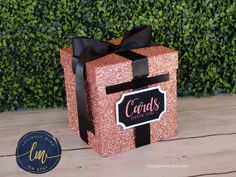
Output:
(109, 138)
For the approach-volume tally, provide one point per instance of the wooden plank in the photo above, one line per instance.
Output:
(67, 138)
(216, 120)
(175, 158)
(36, 117)
(208, 102)
(13, 125)
(204, 144)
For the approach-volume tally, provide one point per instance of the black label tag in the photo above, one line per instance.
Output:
(140, 107)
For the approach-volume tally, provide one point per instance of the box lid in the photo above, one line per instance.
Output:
(114, 69)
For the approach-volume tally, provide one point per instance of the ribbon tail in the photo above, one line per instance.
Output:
(83, 116)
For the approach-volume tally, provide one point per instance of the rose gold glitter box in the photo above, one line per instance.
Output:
(108, 137)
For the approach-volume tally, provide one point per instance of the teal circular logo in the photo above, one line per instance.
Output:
(38, 152)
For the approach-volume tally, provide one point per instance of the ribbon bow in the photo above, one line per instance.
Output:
(85, 49)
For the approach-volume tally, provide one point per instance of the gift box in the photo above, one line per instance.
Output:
(121, 97)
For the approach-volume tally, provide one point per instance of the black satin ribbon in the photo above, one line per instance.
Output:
(85, 49)
(140, 71)
(142, 82)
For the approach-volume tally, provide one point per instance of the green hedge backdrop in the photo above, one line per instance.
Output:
(33, 31)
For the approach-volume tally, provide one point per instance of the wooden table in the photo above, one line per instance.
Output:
(205, 144)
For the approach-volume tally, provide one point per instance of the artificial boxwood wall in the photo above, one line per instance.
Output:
(33, 31)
